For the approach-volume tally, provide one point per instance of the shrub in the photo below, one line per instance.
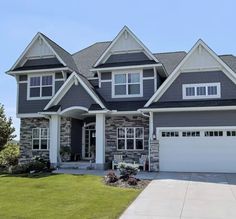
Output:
(132, 181)
(111, 177)
(127, 170)
(9, 155)
(37, 164)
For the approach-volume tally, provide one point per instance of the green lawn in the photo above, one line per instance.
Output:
(61, 196)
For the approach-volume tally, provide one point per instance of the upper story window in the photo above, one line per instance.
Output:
(201, 91)
(127, 84)
(40, 87)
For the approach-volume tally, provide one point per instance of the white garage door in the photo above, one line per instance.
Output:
(198, 150)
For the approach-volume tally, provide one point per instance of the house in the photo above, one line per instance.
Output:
(119, 98)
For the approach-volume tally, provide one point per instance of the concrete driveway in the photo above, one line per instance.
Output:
(186, 196)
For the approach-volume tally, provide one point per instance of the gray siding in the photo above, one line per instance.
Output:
(106, 75)
(94, 82)
(23, 78)
(174, 92)
(127, 57)
(190, 119)
(148, 73)
(29, 106)
(76, 96)
(58, 84)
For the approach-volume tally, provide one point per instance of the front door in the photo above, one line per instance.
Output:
(90, 142)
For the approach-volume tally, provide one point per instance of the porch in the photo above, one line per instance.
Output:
(80, 140)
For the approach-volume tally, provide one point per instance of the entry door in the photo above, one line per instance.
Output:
(90, 143)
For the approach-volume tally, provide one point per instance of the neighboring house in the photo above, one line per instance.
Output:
(118, 98)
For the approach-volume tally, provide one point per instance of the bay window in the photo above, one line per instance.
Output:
(130, 138)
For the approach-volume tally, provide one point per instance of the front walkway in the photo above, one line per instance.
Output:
(186, 196)
(140, 175)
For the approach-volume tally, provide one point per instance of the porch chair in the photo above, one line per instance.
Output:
(117, 159)
(142, 161)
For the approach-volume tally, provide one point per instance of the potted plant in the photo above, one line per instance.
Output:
(65, 153)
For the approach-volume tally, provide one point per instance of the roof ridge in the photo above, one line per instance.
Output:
(90, 46)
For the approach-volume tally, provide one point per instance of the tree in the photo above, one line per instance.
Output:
(6, 129)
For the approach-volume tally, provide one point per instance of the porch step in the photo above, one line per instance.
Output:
(77, 165)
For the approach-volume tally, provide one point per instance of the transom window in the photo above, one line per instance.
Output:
(130, 138)
(40, 139)
(199, 91)
(127, 84)
(40, 87)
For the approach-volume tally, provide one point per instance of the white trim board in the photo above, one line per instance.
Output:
(177, 71)
(187, 109)
(126, 67)
(74, 78)
(126, 30)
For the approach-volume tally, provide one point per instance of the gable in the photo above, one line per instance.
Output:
(125, 42)
(76, 96)
(38, 49)
(199, 59)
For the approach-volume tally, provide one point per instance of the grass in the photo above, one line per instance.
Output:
(61, 196)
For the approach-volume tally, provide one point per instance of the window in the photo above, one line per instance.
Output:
(213, 133)
(130, 138)
(199, 91)
(231, 133)
(191, 134)
(40, 87)
(40, 139)
(127, 84)
(170, 134)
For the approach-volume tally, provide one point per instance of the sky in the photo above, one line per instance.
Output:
(162, 26)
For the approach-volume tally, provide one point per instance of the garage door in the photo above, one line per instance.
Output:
(198, 150)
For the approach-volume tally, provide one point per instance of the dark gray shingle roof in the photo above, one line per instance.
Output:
(170, 59)
(229, 60)
(64, 55)
(86, 58)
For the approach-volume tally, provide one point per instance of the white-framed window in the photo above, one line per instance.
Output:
(170, 134)
(40, 138)
(213, 133)
(191, 134)
(130, 138)
(40, 87)
(127, 84)
(201, 91)
(231, 133)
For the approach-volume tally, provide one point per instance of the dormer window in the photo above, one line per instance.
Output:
(201, 91)
(40, 87)
(127, 84)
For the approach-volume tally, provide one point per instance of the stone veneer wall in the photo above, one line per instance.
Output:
(65, 134)
(27, 124)
(111, 125)
(154, 155)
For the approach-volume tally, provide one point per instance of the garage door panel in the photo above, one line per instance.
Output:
(198, 154)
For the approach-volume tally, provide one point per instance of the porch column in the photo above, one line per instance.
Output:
(54, 139)
(100, 140)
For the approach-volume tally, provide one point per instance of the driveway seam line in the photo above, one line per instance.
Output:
(185, 196)
(230, 186)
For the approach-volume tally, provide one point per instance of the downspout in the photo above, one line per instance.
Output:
(150, 116)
